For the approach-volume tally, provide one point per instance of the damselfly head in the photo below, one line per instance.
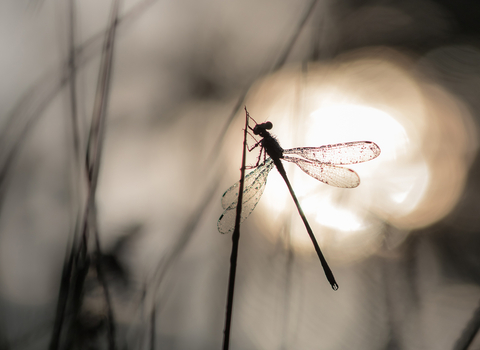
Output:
(259, 128)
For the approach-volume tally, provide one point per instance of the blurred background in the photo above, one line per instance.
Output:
(135, 260)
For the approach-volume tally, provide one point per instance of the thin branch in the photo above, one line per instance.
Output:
(70, 253)
(283, 57)
(469, 332)
(37, 98)
(235, 241)
(279, 64)
(80, 255)
(153, 318)
(96, 138)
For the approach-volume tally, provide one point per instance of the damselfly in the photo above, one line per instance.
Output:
(319, 162)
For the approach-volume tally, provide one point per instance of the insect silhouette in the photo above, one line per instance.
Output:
(321, 163)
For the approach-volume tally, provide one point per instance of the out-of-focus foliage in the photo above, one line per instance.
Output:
(171, 149)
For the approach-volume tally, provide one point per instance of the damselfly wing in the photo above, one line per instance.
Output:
(320, 163)
(254, 185)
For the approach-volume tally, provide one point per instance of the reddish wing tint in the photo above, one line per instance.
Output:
(338, 154)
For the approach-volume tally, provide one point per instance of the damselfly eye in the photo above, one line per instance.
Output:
(256, 130)
(268, 125)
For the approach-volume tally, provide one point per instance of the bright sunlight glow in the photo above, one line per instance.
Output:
(423, 133)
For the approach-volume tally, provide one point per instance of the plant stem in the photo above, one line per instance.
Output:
(235, 241)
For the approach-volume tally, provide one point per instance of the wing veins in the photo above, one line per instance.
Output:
(255, 183)
(338, 154)
(329, 174)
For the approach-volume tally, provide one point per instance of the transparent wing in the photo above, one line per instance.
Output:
(340, 154)
(327, 173)
(253, 189)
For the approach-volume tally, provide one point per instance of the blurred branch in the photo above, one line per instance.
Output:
(277, 65)
(69, 253)
(469, 332)
(94, 153)
(284, 55)
(93, 161)
(38, 97)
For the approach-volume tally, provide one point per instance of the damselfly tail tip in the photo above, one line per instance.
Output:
(331, 278)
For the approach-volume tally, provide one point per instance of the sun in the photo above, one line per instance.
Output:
(368, 99)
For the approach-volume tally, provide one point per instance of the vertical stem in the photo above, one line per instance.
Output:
(283, 58)
(235, 240)
(69, 257)
(469, 332)
(276, 66)
(153, 327)
(97, 136)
